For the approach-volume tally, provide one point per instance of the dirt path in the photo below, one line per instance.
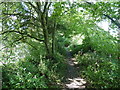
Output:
(73, 80)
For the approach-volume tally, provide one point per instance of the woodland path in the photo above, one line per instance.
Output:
(73, 80)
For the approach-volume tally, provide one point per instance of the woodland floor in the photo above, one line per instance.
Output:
(73, 79)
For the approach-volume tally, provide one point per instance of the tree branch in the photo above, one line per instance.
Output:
(23, 34)
(89, 2)
(118, 24)
(45, 6)
(31, 45)
(12, 43)
(113, 21)
(47, 13)
(39, 6)
(49, 5)
(19, 14)
(33, 6)
(14, 14)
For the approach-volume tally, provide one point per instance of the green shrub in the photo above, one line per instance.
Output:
(22, 75)
(26, 74)
(102, 72)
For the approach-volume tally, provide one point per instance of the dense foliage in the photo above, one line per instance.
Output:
(36, 37)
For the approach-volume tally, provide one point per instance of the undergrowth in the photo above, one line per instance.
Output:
(25, 74)
(99, 71)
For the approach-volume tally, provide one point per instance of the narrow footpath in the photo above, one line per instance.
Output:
(73, 79)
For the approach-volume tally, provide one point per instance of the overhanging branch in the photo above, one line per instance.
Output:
(118, 24)
(113, 21)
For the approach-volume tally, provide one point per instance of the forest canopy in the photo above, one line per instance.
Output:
(36, 38)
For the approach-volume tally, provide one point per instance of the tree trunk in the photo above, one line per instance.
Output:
(46, 36)
(53, 40)
(46, 41)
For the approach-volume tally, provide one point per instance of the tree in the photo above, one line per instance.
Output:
(31, 18)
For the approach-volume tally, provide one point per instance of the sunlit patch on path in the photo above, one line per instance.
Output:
(76, 83)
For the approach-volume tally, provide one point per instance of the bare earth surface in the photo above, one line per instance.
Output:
(73, 80)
